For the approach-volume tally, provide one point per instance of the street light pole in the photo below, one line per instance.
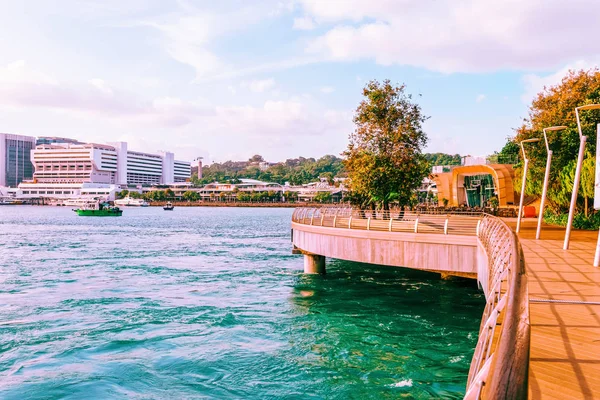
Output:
(546, 178)
(577, 172)
(524, 179)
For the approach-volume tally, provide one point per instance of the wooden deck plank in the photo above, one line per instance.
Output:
(565, 337)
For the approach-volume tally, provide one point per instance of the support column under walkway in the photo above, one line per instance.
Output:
(314, 264)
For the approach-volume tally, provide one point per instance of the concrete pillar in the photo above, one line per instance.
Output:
(314, 264)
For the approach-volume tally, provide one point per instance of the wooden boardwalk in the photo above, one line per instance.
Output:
(565, 336)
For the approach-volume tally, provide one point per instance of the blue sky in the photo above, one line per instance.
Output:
(229, 79)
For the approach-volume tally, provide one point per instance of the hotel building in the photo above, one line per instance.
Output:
(67, 168)
(15, 162)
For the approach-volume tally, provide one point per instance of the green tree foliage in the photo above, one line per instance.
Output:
(123, 193)
(243, 196)
(297, 171)
(323, 197)
(553, 106)
(384, 159)
(442, 159)
(191, 196)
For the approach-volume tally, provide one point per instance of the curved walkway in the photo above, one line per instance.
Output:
(565, 334)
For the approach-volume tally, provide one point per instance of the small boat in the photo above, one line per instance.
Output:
(169, 206)
(130, 201)
(98, 209)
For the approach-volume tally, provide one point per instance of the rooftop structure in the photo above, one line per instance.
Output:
(55, 139)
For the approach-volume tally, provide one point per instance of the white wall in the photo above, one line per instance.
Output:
(121, 175)
(168, 168)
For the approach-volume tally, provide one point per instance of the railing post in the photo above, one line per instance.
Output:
(350, 222)
(391, 221)
(477, 229)
(417, 225)
(322, 218)
(312, 216)
(334, 220)
(369, 223)
(446, 225)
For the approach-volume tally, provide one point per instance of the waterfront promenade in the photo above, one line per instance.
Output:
(565, 333)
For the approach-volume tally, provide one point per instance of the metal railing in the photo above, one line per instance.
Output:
(389, 220)
(500, 363)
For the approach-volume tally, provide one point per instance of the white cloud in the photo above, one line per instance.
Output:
(534, 84)
(327, 89)
(101, 85)
(260, 86)
(20, 72)
(190, 34)
(24, 88)
(304, 23)
(480, 98)
(465, 36)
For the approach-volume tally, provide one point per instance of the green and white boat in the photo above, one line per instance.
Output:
(98, 209)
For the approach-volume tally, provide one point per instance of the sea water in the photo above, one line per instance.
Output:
(210, 303)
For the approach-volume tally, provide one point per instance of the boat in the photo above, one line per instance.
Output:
(169, 206)
(131, 202)
(98, 209)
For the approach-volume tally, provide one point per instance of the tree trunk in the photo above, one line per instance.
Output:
(586, 207)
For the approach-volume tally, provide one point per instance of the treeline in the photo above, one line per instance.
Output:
(442, 159)
(296, 171)
(555, 106)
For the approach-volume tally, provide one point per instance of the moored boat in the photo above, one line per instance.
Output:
(169, 206)
(131, 202)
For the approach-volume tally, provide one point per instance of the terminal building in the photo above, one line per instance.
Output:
(114, 163)
(65, 168)
(15, 159)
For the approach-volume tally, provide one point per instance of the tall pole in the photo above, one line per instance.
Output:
(546, 178)
(597, 196)
(575, 182)
(544, 193)
(524, 180)
(522, 195)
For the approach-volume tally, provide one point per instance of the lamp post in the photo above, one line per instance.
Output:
(577, 172)
(524, 179)
(546, 178)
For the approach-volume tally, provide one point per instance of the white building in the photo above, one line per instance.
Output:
(103, 191)
(84, 166)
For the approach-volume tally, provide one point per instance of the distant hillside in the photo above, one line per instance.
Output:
(443, 159)
(296, 171)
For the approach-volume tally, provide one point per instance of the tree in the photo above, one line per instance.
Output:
(123, 193)
(323, 197)
(256, 158)
(586, 186)
(242, 196)
(443, 159)
(555, 105)
(191, 196)
(384, 159)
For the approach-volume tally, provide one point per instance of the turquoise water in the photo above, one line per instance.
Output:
(209, 303)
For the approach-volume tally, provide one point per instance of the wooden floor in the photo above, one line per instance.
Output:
(565, 337)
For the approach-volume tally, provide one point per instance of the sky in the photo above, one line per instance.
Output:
(231, 78)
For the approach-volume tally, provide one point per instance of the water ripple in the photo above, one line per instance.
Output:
(210, 303)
